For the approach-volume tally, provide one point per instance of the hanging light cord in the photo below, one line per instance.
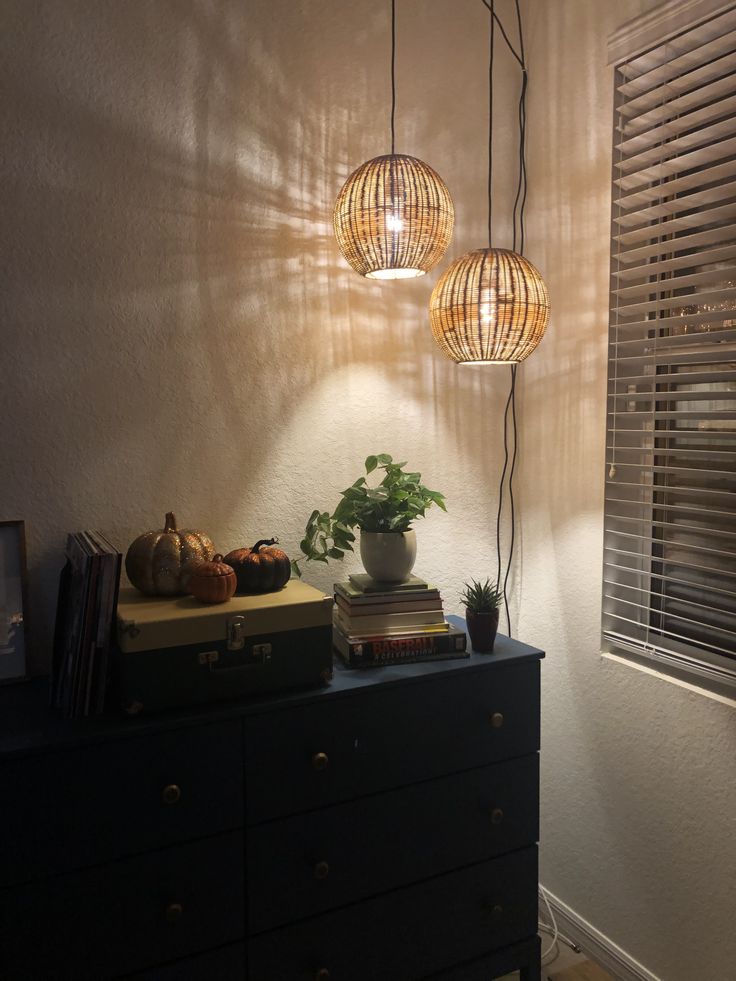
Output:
(490, 122)
(512, 49)
(500, 492)
(507, 474)
(520, 201)
(512, 508)
(393, 75)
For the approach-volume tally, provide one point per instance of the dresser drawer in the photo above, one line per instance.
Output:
(223, 964)
(126, 916)
(505, 960)
(408, 933)
(72, 809)
(322, 860)
(348, 746)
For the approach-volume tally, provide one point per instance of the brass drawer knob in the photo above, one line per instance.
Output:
(321, 870)
(320, 761)
(322, 975)
(492, 909)
(171, 794)
(174, 912)
(497, 720)
(496, 815)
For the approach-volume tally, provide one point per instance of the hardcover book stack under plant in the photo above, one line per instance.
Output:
(392, 623)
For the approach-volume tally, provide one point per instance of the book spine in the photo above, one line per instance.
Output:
(395, 650)
(352, 608)
(356, 598)
(389, 622)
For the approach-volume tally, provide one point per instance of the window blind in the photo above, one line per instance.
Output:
(669, 576)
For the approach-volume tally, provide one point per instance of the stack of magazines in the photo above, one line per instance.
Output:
(88, 596)
(390, 623)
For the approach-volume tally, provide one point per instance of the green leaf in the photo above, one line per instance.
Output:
(295, 570)
(392, 505)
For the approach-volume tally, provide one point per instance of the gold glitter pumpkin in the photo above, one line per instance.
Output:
(159, 563)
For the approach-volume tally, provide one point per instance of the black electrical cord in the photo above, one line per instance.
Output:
(502, 484)
(514, 52)
(490, 121)
(512, 399)
(393, 75)
(507, 473)
(522, 183)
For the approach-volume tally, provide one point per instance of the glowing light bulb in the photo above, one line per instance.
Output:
(394, 223)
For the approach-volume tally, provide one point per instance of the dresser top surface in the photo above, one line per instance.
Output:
(28, 726)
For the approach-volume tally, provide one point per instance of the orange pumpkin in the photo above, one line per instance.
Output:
(159, 563)
(261, 569)
(212, 582)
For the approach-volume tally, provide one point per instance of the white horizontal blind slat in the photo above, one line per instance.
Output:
(669, 583)
(676, 55)
(645, 273)
(713, 62)
(667, 166)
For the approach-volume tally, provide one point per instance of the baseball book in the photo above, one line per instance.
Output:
(367, 652)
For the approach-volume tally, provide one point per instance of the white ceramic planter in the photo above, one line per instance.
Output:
(388, 556)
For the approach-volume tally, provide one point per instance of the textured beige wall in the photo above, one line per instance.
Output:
(638, 788)
(179, 330)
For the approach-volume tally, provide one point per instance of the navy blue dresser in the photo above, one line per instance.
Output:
(382, 827)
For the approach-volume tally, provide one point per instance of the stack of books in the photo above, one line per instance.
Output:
(392, 623)
(85, 611)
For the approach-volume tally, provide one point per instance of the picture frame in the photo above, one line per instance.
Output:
(13, 602)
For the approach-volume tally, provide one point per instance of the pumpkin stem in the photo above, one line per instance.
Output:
(265, 541)
(216, 558)
(170, 521)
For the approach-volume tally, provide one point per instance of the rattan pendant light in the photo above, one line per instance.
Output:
(491, 306)
(393, 217)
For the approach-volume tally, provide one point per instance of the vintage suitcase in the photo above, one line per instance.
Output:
(177, 651)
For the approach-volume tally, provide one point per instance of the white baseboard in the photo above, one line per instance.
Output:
(597, 945)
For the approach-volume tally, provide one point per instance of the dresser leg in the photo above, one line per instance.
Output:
(532, 970)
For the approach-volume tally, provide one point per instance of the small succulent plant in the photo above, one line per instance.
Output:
(481, 597)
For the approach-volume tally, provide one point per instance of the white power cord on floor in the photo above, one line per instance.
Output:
(552, 929)
(545, 927)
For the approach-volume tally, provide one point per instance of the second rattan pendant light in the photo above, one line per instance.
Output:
(394, 215)
(491, 306)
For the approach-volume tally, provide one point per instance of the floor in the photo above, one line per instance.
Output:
(563, 964)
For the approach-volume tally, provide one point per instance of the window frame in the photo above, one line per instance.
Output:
(634, 40)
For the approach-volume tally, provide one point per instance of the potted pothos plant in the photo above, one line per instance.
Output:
(482, 601)
(383, 513)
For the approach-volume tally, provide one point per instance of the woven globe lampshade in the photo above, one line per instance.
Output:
(393, 218)
(491, 306)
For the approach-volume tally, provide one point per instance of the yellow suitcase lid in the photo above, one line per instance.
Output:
(147, 623)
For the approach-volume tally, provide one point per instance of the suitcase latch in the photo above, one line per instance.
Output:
(236, 633)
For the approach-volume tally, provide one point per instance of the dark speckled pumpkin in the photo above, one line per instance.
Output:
(261, 569)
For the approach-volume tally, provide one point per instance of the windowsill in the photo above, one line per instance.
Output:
(717, 692)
